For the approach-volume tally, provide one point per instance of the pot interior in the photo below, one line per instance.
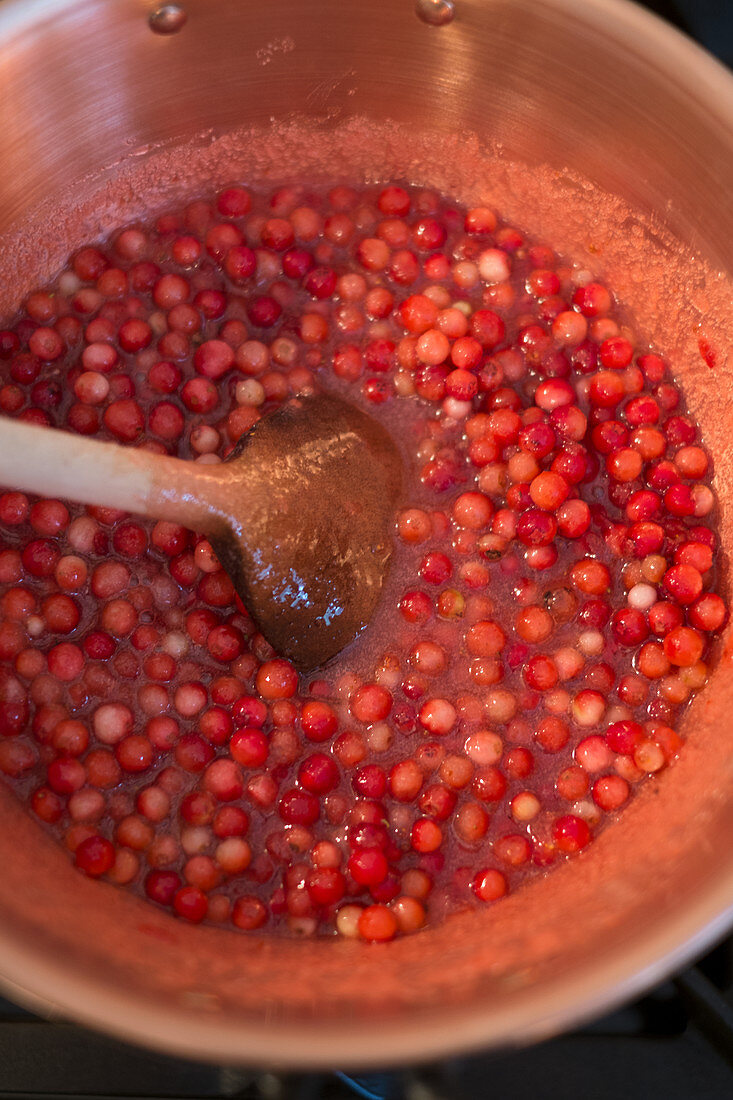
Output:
(593, 127)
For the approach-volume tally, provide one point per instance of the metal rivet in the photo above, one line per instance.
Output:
(167, 20)
(435, 12)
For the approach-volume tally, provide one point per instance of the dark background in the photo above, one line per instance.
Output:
(709, 21)
(676, 1043)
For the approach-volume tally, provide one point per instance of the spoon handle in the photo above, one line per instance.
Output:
(54, 463)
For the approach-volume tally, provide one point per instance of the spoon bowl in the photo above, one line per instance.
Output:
(310, 495)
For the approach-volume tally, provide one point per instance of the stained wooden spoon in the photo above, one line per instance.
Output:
(300, 515)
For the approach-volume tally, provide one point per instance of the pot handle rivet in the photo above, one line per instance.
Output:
(435, 12)
(167, 19)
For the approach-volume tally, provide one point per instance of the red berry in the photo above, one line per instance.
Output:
(191, 904)
(368, 866)
(570, 833)
(95, 856)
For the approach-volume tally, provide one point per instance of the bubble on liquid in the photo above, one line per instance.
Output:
(167, 19)
(435, 12)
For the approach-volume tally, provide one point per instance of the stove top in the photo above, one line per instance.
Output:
(676, 1042)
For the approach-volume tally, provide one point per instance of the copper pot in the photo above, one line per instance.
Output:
(597, 128)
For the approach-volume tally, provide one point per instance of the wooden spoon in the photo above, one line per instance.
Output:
(300, 515)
